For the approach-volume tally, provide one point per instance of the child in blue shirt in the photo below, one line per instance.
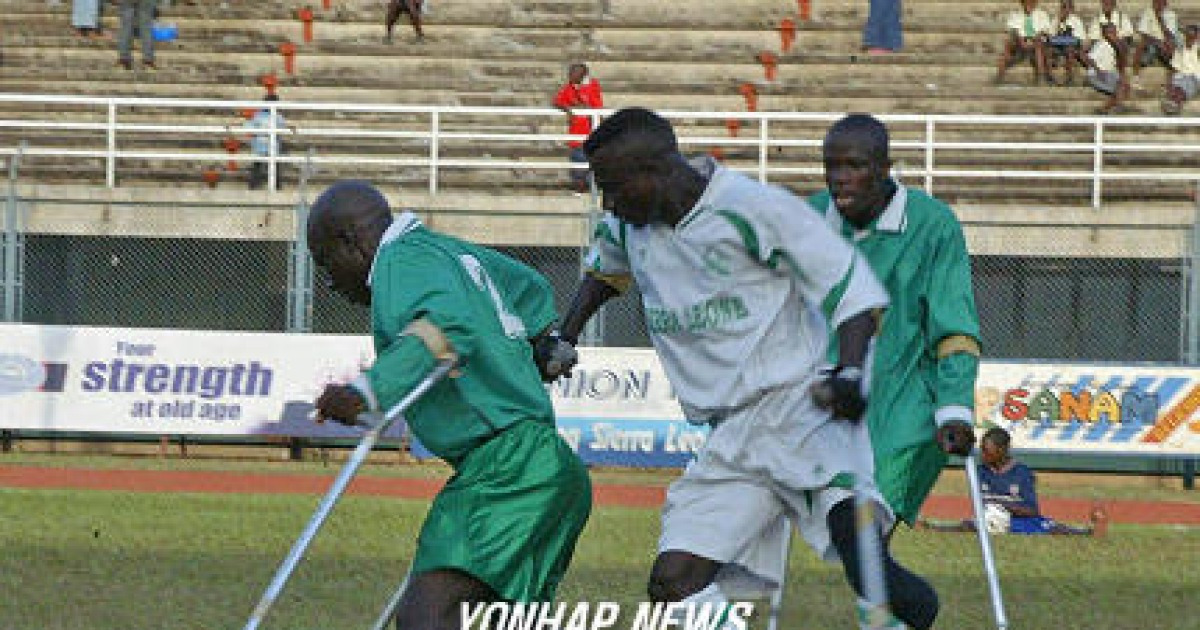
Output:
(1009, 492)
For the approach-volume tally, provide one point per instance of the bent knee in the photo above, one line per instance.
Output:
(678, 574)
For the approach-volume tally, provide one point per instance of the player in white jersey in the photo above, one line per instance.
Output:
(739, 282)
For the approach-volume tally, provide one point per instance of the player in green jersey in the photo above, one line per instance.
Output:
(505, 525)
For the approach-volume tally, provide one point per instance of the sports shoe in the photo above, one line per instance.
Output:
(877, 617)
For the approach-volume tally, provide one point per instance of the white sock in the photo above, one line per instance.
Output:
(872, 618)
(717, 609)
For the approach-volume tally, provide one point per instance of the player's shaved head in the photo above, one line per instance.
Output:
(348, 203)
(864, 130)
(634, 132)
(345, 225)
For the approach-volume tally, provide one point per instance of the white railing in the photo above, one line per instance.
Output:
(112, 117)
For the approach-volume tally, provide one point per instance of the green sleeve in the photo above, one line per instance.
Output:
(951, 313)
(530, 293)
(408, 286)
(956, 376)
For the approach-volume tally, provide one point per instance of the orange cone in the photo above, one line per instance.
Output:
(751, 95)
(306, 19)
(232, 145)
(787, 34)
(211, 176)
(769, 63)
(288, 50)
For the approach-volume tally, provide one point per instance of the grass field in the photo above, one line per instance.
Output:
(122, 561)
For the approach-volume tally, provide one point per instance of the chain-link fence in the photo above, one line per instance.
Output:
(154, 265)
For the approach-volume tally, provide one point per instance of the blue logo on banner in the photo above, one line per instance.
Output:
(624, 442)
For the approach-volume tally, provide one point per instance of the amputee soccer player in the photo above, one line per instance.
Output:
(926, 355)
(738, 280)
(505, 525)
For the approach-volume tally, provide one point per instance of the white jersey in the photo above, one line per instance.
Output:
(739, 295)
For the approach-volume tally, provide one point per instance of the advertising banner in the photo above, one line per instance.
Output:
(1093, 408)
(616, 409)
(171, 382)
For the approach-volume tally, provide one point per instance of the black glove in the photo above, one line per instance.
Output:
(842, 392)
(956, 438)
(340, 403)
(554, 356)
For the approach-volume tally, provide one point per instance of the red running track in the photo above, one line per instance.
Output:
(938, 506)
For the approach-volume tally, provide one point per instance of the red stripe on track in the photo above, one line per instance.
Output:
(939, 507)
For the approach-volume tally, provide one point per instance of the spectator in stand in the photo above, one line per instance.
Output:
(1157, 25)
(414, 9)
(1065, 44)
(1028, 31)
(137, 14)
(883, 34)
(1184, 82)
(1010, 496)
(85, 18)
(259, 137)
(1106, 62)
(580, 91)
(1109, 14)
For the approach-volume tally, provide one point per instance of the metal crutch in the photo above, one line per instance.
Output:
(870, 547)
(389, 611)
(985, 544)
(866, 535)
(440, 370)
(776, 610)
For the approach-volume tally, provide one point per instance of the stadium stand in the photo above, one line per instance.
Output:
(666, 54)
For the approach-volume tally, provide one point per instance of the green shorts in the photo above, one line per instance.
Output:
(906, 476)
(511, 514)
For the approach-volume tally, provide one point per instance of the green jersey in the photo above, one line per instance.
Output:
(487, 305)
(920, 374)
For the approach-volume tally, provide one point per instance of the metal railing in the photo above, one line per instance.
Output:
(435, 127)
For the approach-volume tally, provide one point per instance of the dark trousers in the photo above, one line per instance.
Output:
(258, 176)
(883, 28)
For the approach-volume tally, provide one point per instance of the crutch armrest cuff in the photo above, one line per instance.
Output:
(434, 339)
(952, 413)
(362, 385)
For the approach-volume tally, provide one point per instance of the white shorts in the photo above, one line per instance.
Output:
(780, 456)
(1189, 83)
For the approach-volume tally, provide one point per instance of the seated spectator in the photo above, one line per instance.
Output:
(1184, 82)
(1065, 44)
(1157, 25)
(1109, 14)
(1106, 69)
(1010, 497)
(1028, 30)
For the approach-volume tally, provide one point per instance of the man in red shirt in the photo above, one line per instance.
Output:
(580, 91)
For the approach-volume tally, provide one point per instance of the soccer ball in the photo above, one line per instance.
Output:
(996, 518)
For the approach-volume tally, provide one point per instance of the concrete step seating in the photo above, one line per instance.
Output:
(667, 54)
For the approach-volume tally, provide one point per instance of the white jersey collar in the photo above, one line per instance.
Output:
(402, 224)
(894, 218)
(707, 166)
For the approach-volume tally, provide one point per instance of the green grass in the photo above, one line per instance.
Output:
(123, 561)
